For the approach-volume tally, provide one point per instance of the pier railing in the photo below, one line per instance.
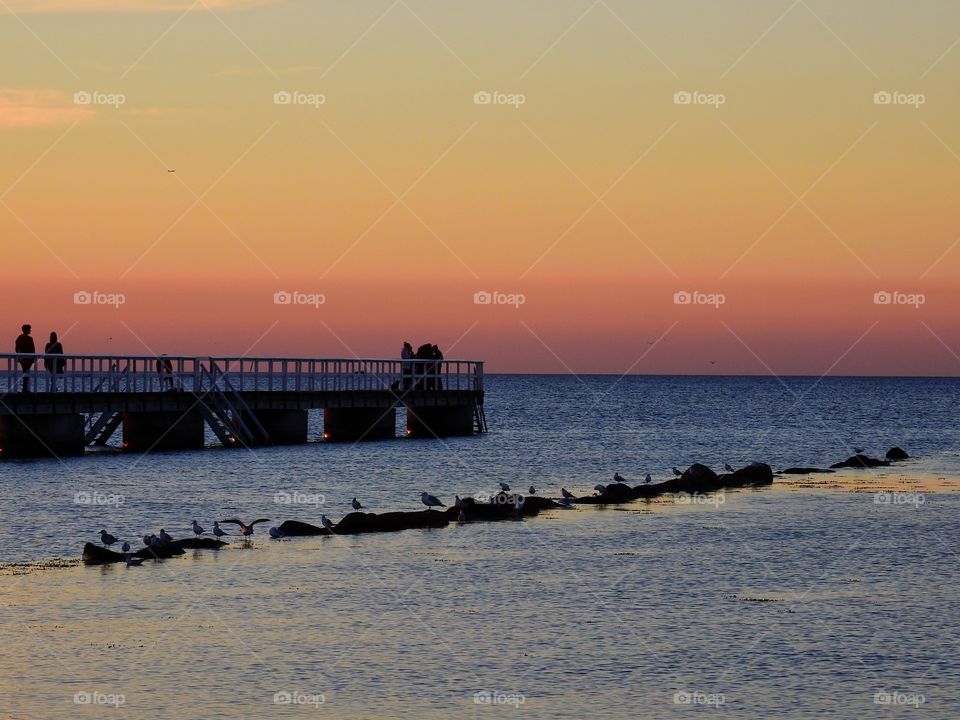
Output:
(150, 374)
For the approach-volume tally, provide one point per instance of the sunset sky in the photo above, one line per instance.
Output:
(817, 165)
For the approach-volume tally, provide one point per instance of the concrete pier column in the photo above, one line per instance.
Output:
(41, 435)
(428, 422)
(144, 431)
(285, 427)
(359, 423)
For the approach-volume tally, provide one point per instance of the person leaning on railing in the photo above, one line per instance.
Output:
(54, 366)
(25, 346)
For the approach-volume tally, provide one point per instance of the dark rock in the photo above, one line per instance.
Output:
(897, 453)
(97, 555)
(753, 474)
(804, 471)
(295, 528)
(198, 544)
(860, 461)
(358, 522)
(699, 478)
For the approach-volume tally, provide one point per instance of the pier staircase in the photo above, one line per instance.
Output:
(226, 412)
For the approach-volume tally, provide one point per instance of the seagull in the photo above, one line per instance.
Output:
(217, 531)
(567, 495)
(165, 536)
(326, 522)
(617, 478)
(532, 490)
(677, 472)
(245, 530)
(857, 450)
(106, 538)
(356, 505)
(648, 479)
(125, 547)
(504, 487)
(728, 468)
(600, 488)
(433, 501)
(275, 533)
(197, 530)
(150, 540)
(133, 561)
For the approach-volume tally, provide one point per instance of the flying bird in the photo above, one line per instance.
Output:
(197, 530)
(567, 494)
(433, 501)
(106, 538)
(356, 505)
(245, 530)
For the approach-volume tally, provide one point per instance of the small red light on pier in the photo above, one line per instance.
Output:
(326, 436)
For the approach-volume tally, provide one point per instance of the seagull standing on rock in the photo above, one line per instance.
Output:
(532, 490)
(106, 538)
(197, 530)
(728, 468)
(165, 536)
(504, 487)
(326, 522)
(617, 478)
(217, 531)
(567, 494)
(648, 479)
(433, 501)
(677, 472)
(355, 504)
(125, 547)
(275, 533)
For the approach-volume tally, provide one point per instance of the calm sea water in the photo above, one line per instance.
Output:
(793, 601)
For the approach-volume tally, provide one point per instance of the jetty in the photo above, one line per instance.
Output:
(169, 402)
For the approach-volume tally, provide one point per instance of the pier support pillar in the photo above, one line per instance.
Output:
(359, 423)
(41, 435)
(145, 431)
(285, 427)
(428, 422)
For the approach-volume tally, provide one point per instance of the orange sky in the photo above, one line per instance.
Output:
(788, 187)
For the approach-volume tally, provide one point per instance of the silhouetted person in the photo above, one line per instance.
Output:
(435, 368)
(165, 371)
(406, 358)
(424, 356)
(54, 366)
(25, 346)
